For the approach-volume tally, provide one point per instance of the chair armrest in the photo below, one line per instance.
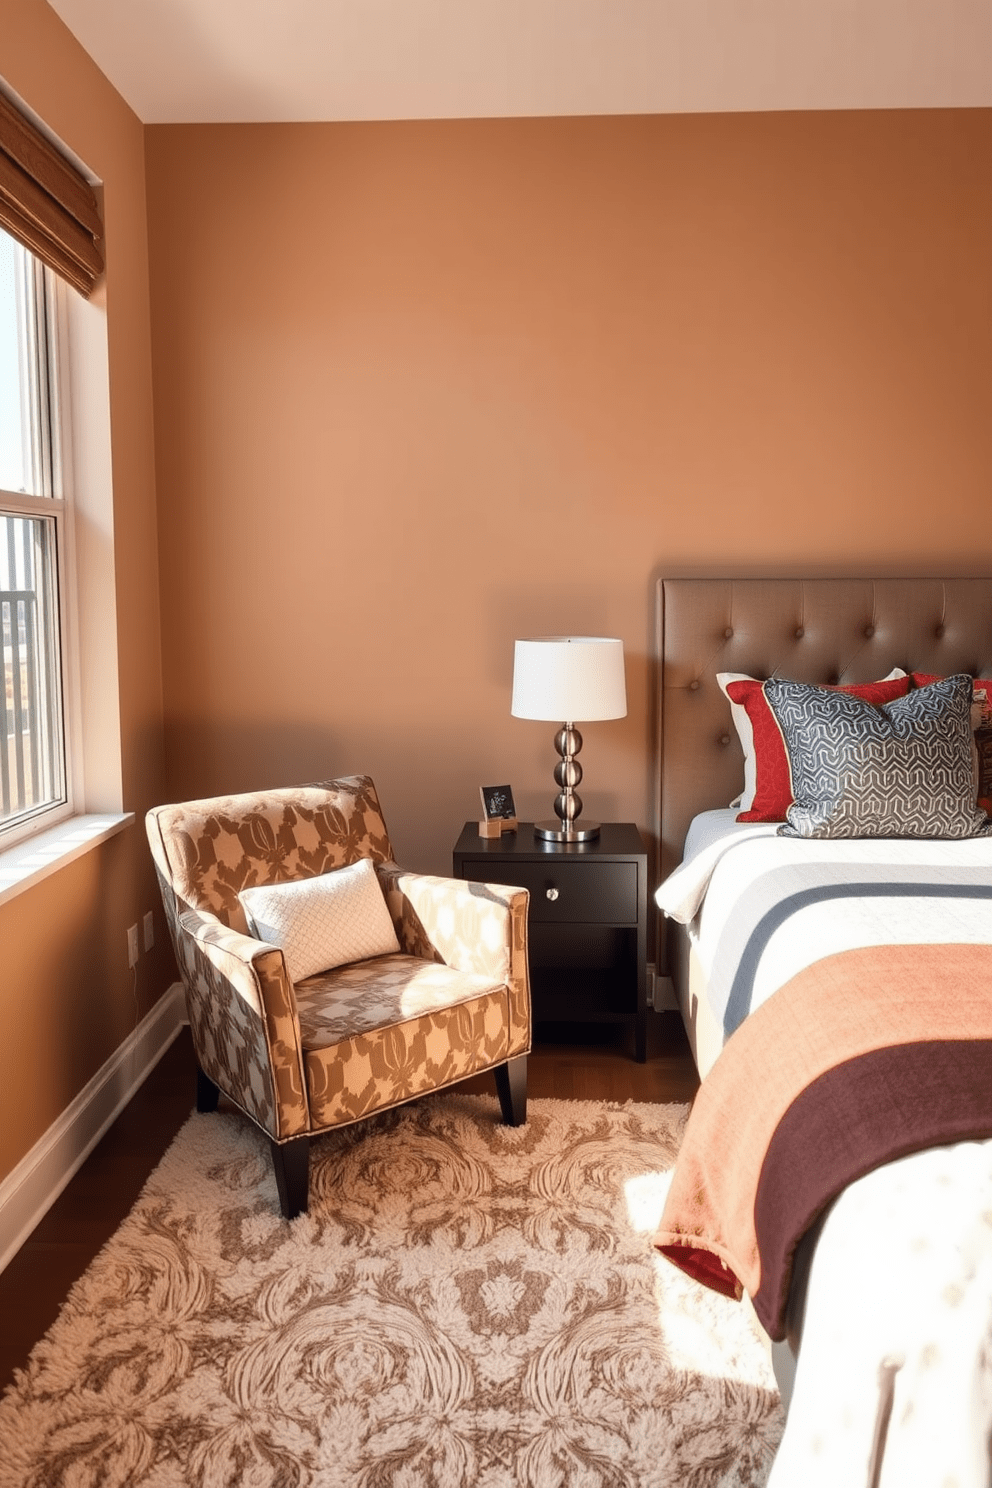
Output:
(242, 1012)
(473, 927)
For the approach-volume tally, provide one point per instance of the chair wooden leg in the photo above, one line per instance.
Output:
(292, 1164)
(511, 1087)
(207, 1093)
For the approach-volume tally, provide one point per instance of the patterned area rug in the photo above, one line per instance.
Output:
(465, 1304)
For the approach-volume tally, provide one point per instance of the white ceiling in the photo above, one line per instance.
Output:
(199, 61)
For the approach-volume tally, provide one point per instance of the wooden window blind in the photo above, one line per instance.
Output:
(46, 204)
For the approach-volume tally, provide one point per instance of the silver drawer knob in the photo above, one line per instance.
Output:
(552, 894)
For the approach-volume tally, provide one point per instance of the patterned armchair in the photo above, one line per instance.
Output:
(302, 1058)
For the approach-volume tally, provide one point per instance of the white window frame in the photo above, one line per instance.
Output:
(49, 437)
(86, 574)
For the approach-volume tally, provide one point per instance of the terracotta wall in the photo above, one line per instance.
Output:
(421, 388)
(66, 997)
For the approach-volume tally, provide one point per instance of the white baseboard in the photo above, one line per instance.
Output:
(27, 1193)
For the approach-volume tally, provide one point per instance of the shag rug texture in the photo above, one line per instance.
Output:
(466, 1305)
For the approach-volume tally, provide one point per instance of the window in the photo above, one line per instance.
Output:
(34, 784)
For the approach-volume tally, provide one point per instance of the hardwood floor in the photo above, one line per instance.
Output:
(35, 1283)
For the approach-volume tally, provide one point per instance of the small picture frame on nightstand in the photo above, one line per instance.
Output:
(499, 814)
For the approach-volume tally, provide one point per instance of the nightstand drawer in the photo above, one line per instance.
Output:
(563, 892)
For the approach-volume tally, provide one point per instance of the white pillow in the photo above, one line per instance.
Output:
(319, 923)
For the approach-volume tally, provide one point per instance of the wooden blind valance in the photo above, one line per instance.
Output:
(46, 204)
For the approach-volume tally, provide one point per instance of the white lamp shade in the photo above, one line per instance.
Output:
(568, 679)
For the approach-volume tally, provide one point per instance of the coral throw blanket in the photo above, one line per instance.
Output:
(864, 1057)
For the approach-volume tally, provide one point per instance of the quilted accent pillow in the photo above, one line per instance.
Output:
(319, 923)
(981, 726)
(899, 770)
(767, 793)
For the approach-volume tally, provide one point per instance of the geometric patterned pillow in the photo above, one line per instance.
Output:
(900, 770)
(983, 768)
(767, 793)
(323, 922)
(981, 726)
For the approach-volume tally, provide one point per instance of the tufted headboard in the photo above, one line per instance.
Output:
(814, 630)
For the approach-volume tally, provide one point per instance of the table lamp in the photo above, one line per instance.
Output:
(573, 679)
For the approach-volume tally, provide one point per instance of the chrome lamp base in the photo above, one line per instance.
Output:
(556, 831)
(568, 805)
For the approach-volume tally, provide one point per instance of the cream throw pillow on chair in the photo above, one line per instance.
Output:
(319, 923)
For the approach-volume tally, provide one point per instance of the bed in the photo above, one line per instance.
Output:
(837, 1168)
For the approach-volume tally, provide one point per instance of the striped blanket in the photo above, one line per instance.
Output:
(762, 908)
(866, 1055)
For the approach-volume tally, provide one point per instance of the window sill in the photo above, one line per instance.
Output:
(23, 866)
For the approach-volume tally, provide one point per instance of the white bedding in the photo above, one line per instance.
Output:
(759, 908)
(903, 1267)
(902, 1279)
(712, 827)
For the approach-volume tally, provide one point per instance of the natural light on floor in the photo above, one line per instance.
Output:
(694, 1337)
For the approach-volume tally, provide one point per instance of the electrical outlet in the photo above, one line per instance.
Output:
(149, 928)
(132, 946)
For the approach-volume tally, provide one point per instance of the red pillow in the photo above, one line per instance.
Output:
(982, 689)
(772, 795)
(981, 724)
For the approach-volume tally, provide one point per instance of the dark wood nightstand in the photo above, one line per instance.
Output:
(587, 931)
